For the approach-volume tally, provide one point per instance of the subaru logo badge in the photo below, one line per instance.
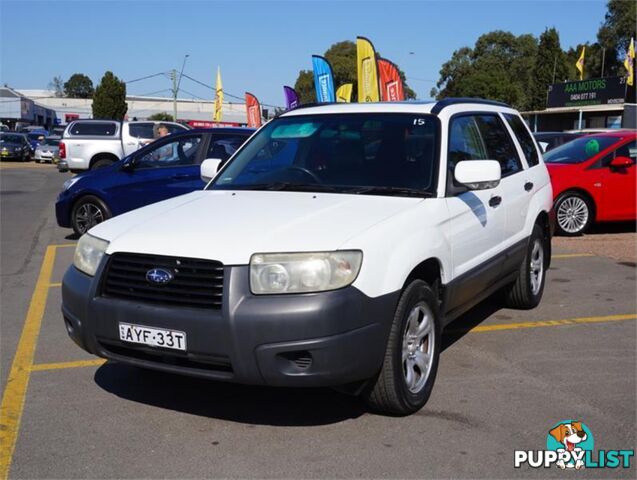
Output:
(159, 276)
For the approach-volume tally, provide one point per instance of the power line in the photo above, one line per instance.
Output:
(147, 76)
(225, 92)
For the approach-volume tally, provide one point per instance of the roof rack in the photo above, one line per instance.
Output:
(447, 102)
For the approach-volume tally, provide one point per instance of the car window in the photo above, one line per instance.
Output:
(93, 128)
(178, 152)
(342, 151)
(481, 137)
(223, 146)
(628, 150)
(172, 128)
(580, 149)
(141, 130)
(12, 138)
(524, 139)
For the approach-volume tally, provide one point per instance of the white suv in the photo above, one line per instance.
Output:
(331, 250)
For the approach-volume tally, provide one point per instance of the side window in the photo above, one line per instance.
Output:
(93, 128)
(524, 139)
(178, 152)
(628, 150)
(172, 128)
(223, 146)
(141, 130)
(499, 145)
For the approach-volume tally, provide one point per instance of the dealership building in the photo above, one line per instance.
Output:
(594, 103)
(42, 107)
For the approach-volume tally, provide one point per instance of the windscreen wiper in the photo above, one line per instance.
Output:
(398, 191)
(290, 186)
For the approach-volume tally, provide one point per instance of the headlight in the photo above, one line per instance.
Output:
(69, 183)
(303, 272)
(89, 253)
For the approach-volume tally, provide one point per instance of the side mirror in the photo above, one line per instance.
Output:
(621, 162)
(128, 166)
(209, 168)
(478, 174)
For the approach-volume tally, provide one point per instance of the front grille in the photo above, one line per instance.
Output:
(196, 283)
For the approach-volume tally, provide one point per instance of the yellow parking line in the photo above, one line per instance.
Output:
(572, 255)
(50, 285)
(60, 365)
(546, 323)
(13, 398)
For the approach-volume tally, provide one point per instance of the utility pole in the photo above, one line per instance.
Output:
(173, 77)
(603, 60)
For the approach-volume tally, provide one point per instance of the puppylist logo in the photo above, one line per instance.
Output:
(570, 446)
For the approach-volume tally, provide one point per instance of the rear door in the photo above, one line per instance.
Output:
(170, 167)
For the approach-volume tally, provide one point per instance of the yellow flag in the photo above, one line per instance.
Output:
(344, 93)
(629, 63)
(580, 64)
(367, 71)
(218, 97)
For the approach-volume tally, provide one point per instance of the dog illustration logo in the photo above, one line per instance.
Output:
(571, 440)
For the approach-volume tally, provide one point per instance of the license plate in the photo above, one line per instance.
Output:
(154, 337)
(4, 153)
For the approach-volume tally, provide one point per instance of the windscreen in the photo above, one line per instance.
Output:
(579, 150)
(342, 152)
(9, 138)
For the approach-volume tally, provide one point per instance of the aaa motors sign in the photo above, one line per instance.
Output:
(595, 91)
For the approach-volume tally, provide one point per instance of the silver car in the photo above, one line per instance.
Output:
(48, 150)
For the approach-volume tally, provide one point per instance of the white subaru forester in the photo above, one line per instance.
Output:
(331, 250)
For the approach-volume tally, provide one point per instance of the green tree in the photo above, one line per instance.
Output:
(79, 86)
(550, 66)
(342, 58)
(619, 26)
(161, 117)
(499, 67)
(109, 100)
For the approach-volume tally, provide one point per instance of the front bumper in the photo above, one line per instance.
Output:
(322, 339)
(63, 210)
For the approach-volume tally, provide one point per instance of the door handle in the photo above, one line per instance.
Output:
(528, 186)
(495, 201)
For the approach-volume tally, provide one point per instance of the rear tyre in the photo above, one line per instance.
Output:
(526, 292)
(88, 212)
(104, 162)
(574, 214)
(408, 373)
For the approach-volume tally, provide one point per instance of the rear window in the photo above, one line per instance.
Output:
(141, 130)
(94, 128)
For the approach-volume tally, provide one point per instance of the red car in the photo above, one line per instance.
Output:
(593, 180)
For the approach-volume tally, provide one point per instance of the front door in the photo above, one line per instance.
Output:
(168, 169)
(618, 185)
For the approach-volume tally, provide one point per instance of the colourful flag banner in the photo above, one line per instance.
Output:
(323, 79)
(344, 93)
(629, 63)
(391, 85)
(218, 97)
(253, 109)
(580, 63)
(291, 98)
(367, 71)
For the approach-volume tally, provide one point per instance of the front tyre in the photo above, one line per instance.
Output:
(528, 288)
(409, 368)
(88, 212)
(574, 214)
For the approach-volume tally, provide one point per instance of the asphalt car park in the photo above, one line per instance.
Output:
(505, 378)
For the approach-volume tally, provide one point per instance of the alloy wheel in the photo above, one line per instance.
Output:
(572, 214)
(418, 347)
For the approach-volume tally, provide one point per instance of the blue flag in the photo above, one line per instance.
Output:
(323, 80)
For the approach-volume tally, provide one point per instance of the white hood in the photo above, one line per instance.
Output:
(230, 226)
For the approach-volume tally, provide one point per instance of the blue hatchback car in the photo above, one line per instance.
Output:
(164, 169)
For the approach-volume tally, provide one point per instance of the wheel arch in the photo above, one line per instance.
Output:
(102, 156)
(544, 221)
(430, 271)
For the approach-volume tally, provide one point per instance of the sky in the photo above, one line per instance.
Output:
(260, 46)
